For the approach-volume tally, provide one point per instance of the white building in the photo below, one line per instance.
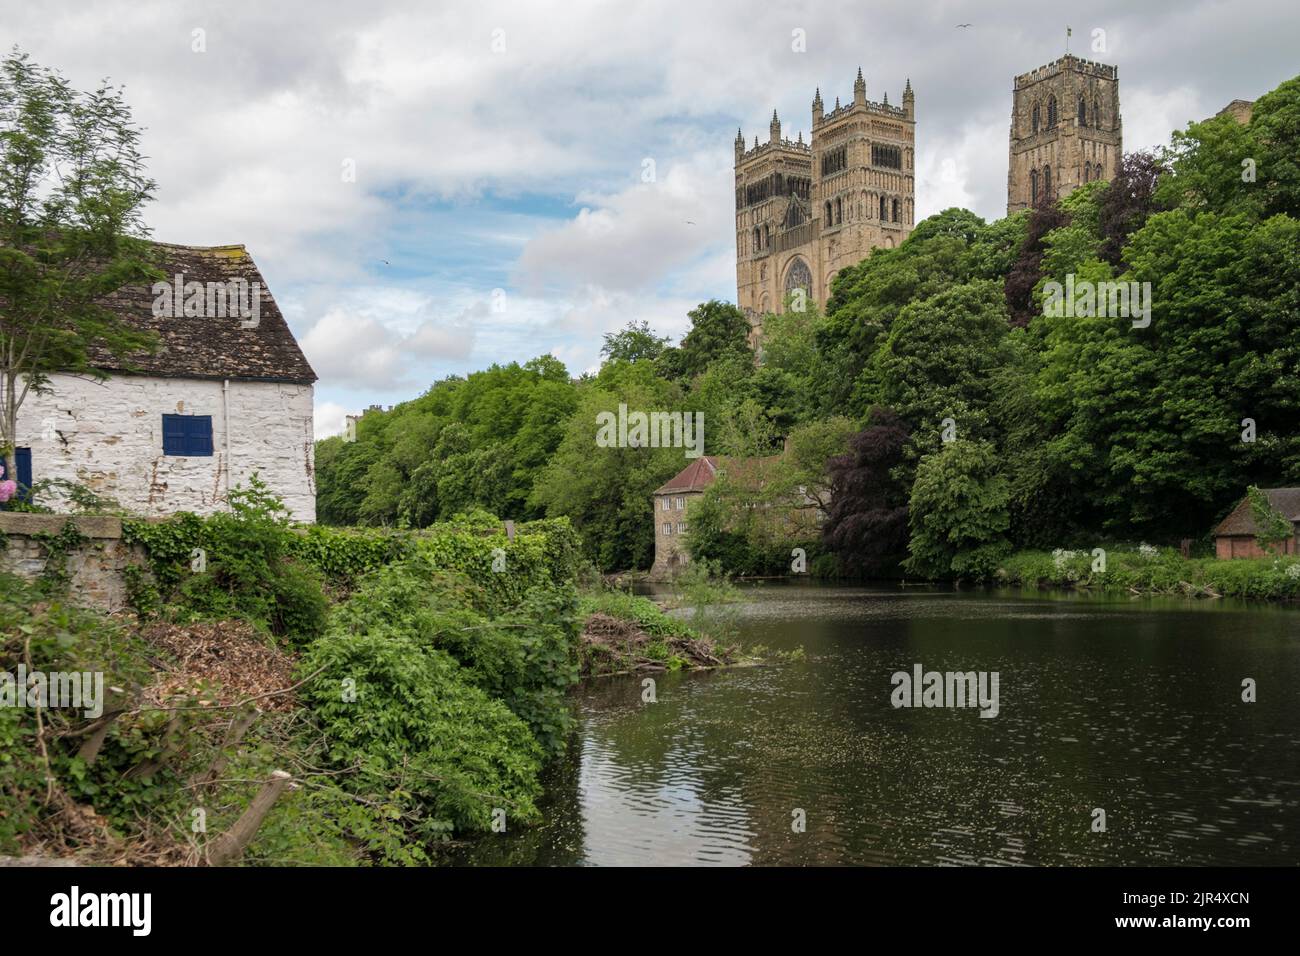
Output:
(220, 398)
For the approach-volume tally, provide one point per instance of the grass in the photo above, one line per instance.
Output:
(1154, 571)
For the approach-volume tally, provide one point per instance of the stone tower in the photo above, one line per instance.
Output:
(1065, 130)
(806, 210)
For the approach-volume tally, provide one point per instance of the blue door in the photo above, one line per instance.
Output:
(23, 458)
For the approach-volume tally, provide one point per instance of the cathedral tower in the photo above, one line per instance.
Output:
(1065, 130)
(806, 210)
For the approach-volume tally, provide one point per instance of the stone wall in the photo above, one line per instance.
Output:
(107, 436)
(94, 569)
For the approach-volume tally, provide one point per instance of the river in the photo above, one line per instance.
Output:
(1132, 706)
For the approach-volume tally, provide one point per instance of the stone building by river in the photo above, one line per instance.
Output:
(222, 396)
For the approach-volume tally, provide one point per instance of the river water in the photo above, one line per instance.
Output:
(1132, 706)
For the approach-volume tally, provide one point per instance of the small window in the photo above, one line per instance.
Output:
(668, 528)
(666, 503)
(681, 528)
(681, 503)
(188, 436)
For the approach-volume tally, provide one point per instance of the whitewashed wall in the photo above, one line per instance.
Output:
(108, 436)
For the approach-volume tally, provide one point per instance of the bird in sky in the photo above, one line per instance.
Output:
(961, 26)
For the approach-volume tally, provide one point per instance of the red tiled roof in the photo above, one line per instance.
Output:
(1241, 521)
(696, 476)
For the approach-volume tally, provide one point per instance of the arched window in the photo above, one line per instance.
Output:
(1096, 114)
(767, 237)
(1047, 181)
(798, 276)
(758, 241)
(1051, 112)
(1087, 172)
(1083, 112)
(829, 221)
(883, 215)
(1033, 187)
(895, 210)
(839, 211)
(1036, 119)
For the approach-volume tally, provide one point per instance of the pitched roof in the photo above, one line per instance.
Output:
(1241, 521)
(194, 347)
(696, 476)
(701, 473)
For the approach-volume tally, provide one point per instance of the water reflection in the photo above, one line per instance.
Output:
(1129, 706)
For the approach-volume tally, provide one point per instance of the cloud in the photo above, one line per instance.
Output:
(519, 166)
(636, 237)
(349, 349)
(330, 419)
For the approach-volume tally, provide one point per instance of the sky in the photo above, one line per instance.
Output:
(431, 188)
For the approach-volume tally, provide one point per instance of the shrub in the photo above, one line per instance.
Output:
(439, 751)
(525, 656)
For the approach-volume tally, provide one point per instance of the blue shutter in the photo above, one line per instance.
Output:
(23, 459)
(187, 435)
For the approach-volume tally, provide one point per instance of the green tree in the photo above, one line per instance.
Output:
(72, 188)
(633, 343)
(1272, 528)
(938, 360)
(606, 492)
(718, 331)
(958, 512)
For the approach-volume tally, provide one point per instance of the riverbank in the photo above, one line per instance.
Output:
(627, 634)
(1151, 570)
(366, 695)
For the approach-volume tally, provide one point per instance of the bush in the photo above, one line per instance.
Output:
(525, 656)
(232, 564)
(439, 751)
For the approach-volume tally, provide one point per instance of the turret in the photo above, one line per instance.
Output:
(775, 128)
(859, 90)
(818, 112)
(740, 144)
(909, 100)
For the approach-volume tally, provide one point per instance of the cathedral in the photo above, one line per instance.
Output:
(1065, 130)
(806, 210)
